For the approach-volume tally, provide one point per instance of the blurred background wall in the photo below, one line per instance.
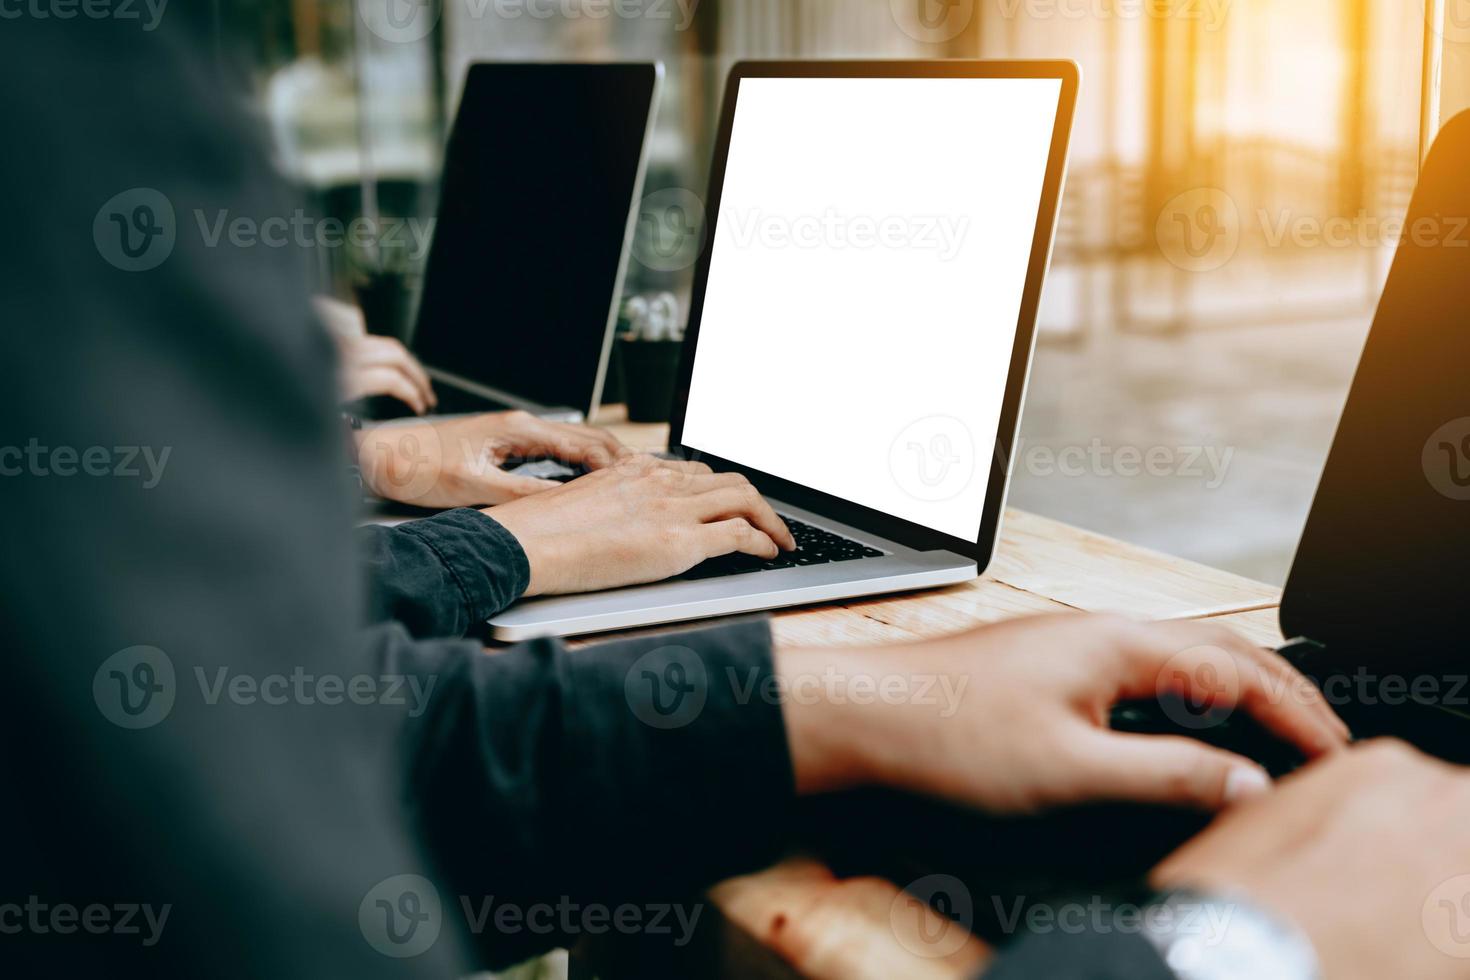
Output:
(1238, 174)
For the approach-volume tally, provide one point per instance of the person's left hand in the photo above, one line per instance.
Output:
(444, 463)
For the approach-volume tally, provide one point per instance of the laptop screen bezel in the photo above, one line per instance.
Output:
(896, 529)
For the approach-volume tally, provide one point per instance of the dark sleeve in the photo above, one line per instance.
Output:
(441, 576)
(1085, 955)
(179, 540)
(637, 771)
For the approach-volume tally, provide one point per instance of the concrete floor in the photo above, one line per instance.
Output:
(1264, 398)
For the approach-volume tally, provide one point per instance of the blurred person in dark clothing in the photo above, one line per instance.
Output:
(203, 738)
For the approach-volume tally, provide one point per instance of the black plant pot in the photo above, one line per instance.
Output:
(650, 371)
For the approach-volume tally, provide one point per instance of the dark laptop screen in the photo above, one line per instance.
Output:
(1386, 554)
(539, 180)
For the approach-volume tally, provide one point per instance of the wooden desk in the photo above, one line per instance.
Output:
(1041, 566)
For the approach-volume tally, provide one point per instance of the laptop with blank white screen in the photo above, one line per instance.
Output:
(861, 329)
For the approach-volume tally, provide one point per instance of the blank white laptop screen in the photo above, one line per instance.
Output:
(865, 285)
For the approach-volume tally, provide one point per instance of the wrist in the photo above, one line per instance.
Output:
(832, 746)
(536, 549)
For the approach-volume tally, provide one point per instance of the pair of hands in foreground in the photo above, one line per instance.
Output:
(1366, 850)
(632, 520)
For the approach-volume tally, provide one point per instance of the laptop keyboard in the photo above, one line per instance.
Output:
(814, 546)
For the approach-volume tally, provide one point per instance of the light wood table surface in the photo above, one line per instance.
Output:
(818, 923)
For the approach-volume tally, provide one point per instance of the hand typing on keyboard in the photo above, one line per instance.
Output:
(814, 546)
(457, 462)
(645, 520)
(1019, 723)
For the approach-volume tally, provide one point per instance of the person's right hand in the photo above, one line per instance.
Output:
(1014, 717)
(1368, 852)
(641, 520)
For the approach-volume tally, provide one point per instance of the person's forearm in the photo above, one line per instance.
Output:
(441, 576)
(645, 770)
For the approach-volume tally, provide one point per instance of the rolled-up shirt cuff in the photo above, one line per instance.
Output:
(485, 561)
